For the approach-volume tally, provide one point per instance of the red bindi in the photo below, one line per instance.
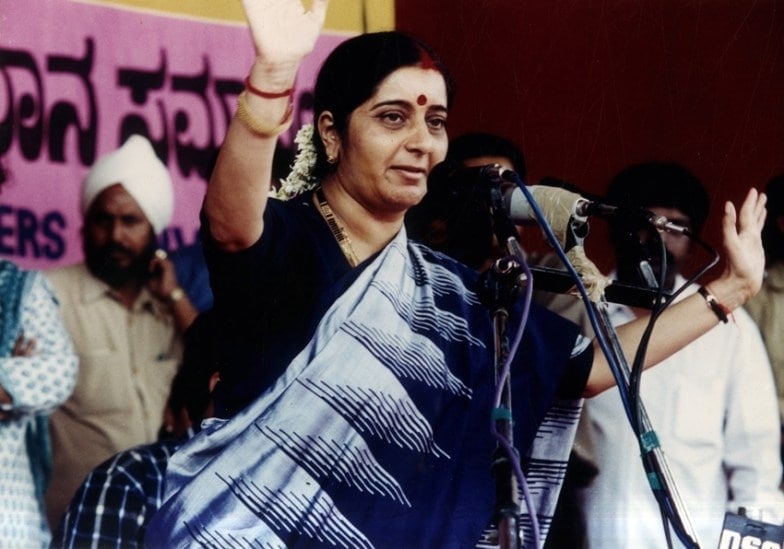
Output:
(422, 99)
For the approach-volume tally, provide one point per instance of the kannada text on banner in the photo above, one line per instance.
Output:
(76, 79)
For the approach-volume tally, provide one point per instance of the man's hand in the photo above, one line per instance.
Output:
(23, 346)
(163, 278)
(163, 285)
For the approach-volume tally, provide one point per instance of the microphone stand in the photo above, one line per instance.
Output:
(502, 285)
(658, 472)
(501, 288)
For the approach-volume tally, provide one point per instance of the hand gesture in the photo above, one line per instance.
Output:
(745, 256)
(163, 278)
(282, 30)
(23, 346)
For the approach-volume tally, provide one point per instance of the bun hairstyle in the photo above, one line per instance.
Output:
(353, 71)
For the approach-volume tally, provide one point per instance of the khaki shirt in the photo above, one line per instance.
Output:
(767, 310)
(127, 359)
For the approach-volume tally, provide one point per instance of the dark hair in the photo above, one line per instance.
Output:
(658, 184)
(471, 145)
(353, 71)
(772, 235)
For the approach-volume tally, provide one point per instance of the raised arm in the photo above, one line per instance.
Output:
(283, 33)
(690, 318)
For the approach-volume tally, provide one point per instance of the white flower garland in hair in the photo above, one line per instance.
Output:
(301, 177)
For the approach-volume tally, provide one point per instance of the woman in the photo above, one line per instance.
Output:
(37, 374)
(359, 379)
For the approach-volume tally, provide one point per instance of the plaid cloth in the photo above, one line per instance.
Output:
(117, 499)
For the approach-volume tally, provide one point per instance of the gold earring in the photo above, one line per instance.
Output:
(331, 159)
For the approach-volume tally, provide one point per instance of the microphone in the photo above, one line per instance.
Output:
(559, 206)
(455, 175)
(663, 224)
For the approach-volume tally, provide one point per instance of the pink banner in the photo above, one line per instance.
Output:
(78, 78)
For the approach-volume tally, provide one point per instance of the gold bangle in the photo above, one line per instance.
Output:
(257, 127)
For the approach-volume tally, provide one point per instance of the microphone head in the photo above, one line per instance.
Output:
(454, 216)
(517, 207)
(454, 174)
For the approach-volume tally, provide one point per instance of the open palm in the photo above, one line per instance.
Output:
(283, 31)
(745, 256)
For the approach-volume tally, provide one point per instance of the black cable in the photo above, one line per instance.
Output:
(663, 494)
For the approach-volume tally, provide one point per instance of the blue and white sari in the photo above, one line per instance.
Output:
(377, 434)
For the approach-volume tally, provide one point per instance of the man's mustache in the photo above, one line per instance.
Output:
(112, 249)
(114, 252)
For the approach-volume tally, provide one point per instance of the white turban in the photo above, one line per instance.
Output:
(136, 167)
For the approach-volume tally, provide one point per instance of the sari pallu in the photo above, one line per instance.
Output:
(377, 434)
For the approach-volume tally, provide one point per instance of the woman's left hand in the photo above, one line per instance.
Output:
(744, 254)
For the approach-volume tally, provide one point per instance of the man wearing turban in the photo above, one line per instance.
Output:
(125, 312)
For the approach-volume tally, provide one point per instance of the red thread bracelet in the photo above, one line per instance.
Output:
(266, 95)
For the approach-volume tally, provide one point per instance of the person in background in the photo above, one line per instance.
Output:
(767, 307)
(366, 384)
(454, 216)
(118, 498)
(38, 369)
(125, 311)
(476, 149)
(712, 404)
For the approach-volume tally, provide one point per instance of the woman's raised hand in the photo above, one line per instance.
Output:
(744, 254)
(283, 32)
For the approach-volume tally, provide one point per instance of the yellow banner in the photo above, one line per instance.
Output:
(343, 15)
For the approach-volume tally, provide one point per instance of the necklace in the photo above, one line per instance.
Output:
(336, 228)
